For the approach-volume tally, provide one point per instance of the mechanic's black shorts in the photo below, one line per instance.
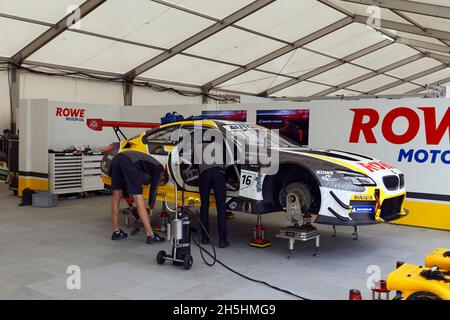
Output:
(125, 175)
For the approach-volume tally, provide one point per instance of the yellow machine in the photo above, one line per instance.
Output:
(431, 282)
(438, 257)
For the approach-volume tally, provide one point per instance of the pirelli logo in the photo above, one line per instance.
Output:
(363, 198)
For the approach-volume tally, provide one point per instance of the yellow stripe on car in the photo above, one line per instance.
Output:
(335, 161)
(208, 123)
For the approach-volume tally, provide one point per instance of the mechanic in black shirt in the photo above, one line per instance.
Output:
(130, 171)
(212, 176)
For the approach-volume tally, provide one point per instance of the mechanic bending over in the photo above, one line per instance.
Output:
(212, 176)
(130, 171)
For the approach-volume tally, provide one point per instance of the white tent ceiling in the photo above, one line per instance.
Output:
(263, 47)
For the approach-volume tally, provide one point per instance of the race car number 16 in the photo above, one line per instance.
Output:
(248, 185)
(247, 180)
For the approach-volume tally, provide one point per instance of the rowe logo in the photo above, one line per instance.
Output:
(71, 114)
(365, 120)
(437, 132)
(376, 166)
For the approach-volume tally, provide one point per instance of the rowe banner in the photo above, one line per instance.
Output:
(411, 134)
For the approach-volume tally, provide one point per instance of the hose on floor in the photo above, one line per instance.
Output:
(213, 255)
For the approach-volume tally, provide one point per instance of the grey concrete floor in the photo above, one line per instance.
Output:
(37, 245)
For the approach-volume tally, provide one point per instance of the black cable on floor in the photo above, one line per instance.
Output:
(214, 257)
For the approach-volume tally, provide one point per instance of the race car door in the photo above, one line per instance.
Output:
(185, 171)
(182, 167)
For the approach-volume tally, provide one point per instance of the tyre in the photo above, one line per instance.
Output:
(303, 193)
(423, 296)
(187, 262)
(161, 257)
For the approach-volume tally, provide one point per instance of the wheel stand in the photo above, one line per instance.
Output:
(258, 240)
(305, 232)
(355, 232)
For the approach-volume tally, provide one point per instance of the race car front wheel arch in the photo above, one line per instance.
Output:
(274, 188)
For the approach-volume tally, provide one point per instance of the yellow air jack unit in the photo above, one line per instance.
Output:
(412, 282)
(418, 283)
(439, 257)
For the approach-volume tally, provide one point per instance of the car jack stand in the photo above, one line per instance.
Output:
(258, 240)
(355, 233)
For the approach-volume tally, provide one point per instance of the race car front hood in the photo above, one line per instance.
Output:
(322, 162)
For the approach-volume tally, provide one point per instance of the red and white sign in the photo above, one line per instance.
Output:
(365, 119)
(412, 135)
(71, 114)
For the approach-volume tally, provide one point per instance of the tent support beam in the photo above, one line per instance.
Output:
(64, 24)
(326, 68)
(202, 35)
(278, 53)
(407, 79)
(422, 8)
(423, 44)
(442, 81)
(14, 93)
(127, 94)
(412, 21)
(360, 97)
(369, 75)
(408, 28)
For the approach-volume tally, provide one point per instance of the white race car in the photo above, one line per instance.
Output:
(342, 188)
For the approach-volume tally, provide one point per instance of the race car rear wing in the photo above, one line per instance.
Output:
(99, 124)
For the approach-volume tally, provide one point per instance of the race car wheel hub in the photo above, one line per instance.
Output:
(301, 190)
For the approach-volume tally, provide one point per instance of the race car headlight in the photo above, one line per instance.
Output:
(358, 179)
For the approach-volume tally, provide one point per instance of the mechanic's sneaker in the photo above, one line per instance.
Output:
(223, 244)
(155, 239)
(119, 235)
